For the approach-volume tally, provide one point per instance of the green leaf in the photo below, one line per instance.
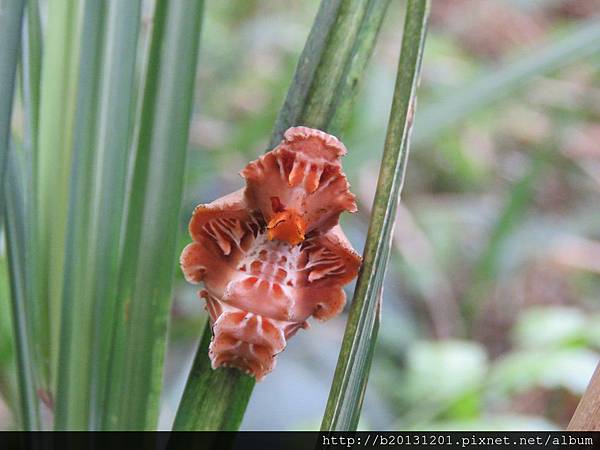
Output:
(465, 367)
(19, 234)
(352, 371)
(31, 61)
(519, 371)
(149, 254)
(552, 327)
(11, 15)
(101, 139)
(16, 208)
(335, 55)
(57, 110)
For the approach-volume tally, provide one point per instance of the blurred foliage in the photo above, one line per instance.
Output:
(553, 356)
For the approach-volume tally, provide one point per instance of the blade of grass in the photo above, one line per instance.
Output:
(98, 182)
(352, 371)
(110, 190)
(149, 253)
(30, 88)
(15, 207)
(18, 243)
(11, 18)
(57, 107)
(320, 96)
(500, 83)
(9, 378)
(32, 68)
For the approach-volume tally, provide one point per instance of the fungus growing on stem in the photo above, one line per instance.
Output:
(272, 254)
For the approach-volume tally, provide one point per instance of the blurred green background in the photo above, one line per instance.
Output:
(490, 315)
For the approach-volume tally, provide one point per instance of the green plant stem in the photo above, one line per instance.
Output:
(352, 371)
(11, 18)
(334, 58)
(149, 254)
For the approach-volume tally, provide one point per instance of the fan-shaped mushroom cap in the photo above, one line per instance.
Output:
(272, 255)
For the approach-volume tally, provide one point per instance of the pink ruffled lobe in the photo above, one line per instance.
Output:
(328, 262)
(315, 144)
(247, 341)
(222, 231)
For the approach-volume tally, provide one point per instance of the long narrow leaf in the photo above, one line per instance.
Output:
(18, 242)
(15, 208)
(57, 107)
(32, 68)
(25, 263)
(327, 75)
(149, 253)
(11, 15)
(352, 372)
(112, 156)
(98, 179)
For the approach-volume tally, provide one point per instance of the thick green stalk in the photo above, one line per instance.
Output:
(352, 371)
(149, 252)
(19, 233)
(327, 75)
(57, 108)
(11, 18)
